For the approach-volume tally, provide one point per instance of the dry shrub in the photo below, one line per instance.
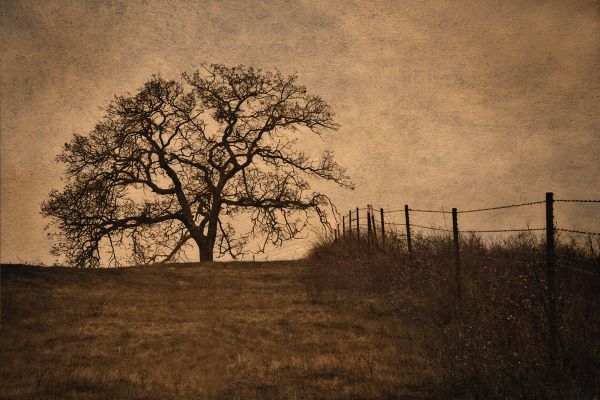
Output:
(492, 343)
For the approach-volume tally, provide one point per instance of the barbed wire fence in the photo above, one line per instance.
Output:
(387, 230)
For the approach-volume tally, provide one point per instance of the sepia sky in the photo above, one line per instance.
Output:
(441, 104)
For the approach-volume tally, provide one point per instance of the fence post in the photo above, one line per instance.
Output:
(344, 227)
(382, 227)
(408, 239)
(369, 226)
(551, 271)
(349, 224)
(357, 225)
(456, 254)
(373, 226)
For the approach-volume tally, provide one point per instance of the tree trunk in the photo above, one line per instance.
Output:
(206, 253)
(205, 248)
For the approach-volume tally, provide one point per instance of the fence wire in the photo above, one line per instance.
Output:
(575, 231)
(583, 271)
(364, 218)
(429, 211)
(432, 228)
(576, 201)
(500, 230)
(503, 259)
(394, 211)
(395, 223)
(395, 233)
(501, 207)
(571, 259)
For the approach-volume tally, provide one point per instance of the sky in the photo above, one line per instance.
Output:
(460, 104)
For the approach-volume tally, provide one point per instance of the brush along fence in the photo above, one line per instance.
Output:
(378, 232)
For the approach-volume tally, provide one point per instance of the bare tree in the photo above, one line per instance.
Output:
(180, 160)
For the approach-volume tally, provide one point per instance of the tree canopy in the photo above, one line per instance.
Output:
(177, 162)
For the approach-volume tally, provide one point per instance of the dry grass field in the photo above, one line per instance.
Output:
(493, 341)
(189, 331)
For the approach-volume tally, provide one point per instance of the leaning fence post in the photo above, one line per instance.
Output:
(408, 239)
(382, 227)
(373, 226)
(551, 271)
(456, 254)
(357, 225)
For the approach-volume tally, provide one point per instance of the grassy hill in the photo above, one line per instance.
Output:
(490, 339)
(189, 331)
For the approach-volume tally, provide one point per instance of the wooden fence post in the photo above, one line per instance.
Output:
(349, 224)
(357, 225)
(344, 227)
(551, 271)
(373, 226)
(408, 239)
(369, 226)
(382, 227)
(456, 254)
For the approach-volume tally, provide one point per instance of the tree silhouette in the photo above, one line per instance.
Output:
(180, 161)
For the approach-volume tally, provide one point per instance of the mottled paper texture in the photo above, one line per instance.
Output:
(441, 104)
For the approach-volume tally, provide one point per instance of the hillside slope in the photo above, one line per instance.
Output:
(226, 331)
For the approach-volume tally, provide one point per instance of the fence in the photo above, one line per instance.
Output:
(350, 227)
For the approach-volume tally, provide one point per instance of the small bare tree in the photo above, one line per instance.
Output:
(180, 160)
